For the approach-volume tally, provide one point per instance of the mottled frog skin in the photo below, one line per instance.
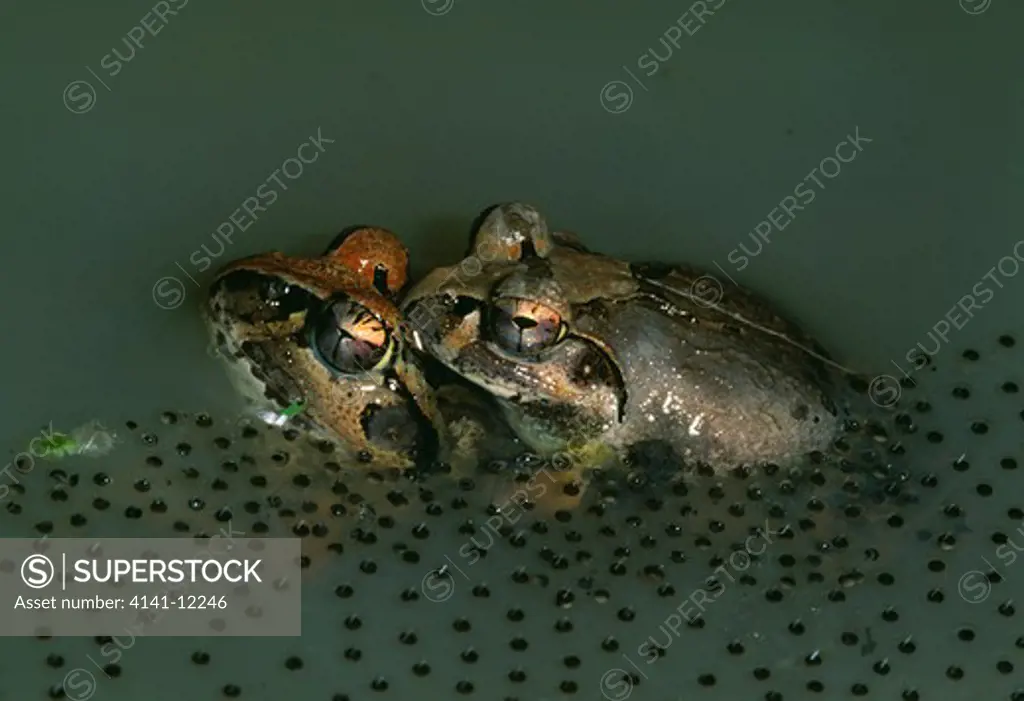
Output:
(584, 351)
(324, 333)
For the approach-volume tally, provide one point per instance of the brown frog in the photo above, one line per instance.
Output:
(589, 353)
(321, 336)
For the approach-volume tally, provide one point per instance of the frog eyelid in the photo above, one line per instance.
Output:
(342, 236)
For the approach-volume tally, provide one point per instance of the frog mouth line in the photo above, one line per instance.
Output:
(495, 369)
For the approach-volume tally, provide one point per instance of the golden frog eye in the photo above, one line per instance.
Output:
(350, 339)
(523, 327)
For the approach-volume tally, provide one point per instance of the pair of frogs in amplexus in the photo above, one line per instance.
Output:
(532, 340)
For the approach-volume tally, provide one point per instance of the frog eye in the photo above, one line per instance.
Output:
(350, 339)
(375, 255)
(525, 328)
(510, 232)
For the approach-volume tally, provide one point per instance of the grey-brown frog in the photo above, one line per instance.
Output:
(321, 336)
(591, 354)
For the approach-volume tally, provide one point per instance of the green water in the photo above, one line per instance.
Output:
(431, 117)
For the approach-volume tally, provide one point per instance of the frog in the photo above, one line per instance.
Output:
(318, 341)
(630, 364)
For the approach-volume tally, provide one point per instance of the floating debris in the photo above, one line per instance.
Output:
(91, 439)
(274, 418)
(293, 409)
